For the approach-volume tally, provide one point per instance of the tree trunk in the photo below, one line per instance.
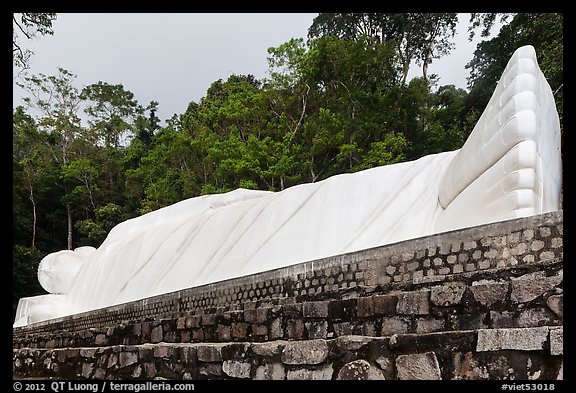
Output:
(69, 214)
(405, 69)
(33, 217)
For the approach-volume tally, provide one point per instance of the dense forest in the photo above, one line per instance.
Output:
(337, 102)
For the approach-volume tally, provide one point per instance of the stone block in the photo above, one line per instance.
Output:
(503, 319)
(87, 369)
(557, 242)
(342, 309)
(100, 374)
(239, 330)
(145, 353)
(351, 343)
(257, 315)
(530, 286)
(556, 304)
(209, 352)
(488, 293)
(209, 319)
(368, 329)
(259, 330)
(537, 245)
(88, 352)
(156, 335)
(522, 339)
(146, 329)
(268, 349)
(193, 322)
(224, 332)
(473, 321)
(319, 374)
(393, 325)
(315, 309)
(305, 352)
(211, 370)
(295, 328)
(276, 329)
(236, 368)
(557, 341)
(198, 335)
(271, 371)
(187, 354)
(447, 294)
(170, 337)
(384, 304)
(127, 358)
(163, 351)
(150, 370)
(413, 303)
(343, 328)
(317, 329)
(534, 317)
(422, 366)
(61, 356)
(292, 310)
(100, 339)
(137, 372)
(560, 375)
(365, 307)
(429, 325)
(546, 255)
(137, 329)
(359, 370)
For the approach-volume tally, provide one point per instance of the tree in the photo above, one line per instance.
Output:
(29, 24)
(59, 102)
(29, 157)
(544, 31)
(112, 111)
(437, 30)
(25, 274)
(96, 230)
(485, 21)
(348, 26)
(146, 127)
(419, 37)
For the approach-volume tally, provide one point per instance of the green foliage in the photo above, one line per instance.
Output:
(111, 107)
(417, 36)
(24, 273)
(28, 24)
(96, 230)
(544, 31)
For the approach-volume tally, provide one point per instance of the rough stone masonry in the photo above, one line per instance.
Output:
(478, 303)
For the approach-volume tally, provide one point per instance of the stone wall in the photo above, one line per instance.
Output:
(478, 303)
(504, 354)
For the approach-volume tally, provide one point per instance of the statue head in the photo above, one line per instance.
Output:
(56, 271)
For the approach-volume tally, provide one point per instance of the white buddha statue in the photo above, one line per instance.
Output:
(509, 167)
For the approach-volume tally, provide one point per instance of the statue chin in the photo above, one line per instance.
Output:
(509, 167)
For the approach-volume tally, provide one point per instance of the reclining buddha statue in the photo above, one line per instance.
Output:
(509, 167)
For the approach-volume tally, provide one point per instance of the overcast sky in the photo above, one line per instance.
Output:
(174, 58)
